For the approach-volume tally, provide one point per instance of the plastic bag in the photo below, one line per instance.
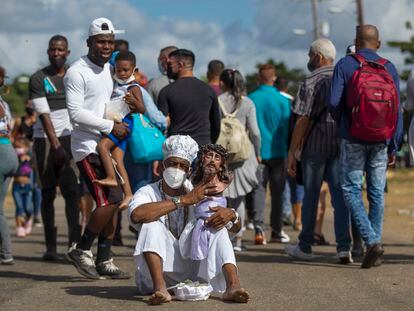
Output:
(116, 109)
(192, 291)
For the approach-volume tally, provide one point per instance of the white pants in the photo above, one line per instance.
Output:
(156, 238)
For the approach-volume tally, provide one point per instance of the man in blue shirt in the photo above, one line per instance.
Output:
(359, 157)
(273, 115)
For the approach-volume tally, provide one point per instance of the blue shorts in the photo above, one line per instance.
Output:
(122, 143)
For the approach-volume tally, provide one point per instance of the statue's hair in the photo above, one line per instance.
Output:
(223, 175)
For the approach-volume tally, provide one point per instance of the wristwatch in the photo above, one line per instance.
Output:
(177, 202)
(230, 224)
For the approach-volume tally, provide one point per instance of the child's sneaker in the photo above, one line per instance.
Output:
(20, 232)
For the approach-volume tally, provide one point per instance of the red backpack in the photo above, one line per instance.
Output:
(373, 100)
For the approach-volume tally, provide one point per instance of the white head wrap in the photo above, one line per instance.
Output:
(181, 146)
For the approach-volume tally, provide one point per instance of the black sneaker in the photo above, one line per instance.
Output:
(83, 262)
(109, 270)
(373, 253)
(117, 242)
(379, 261)
(357, 251)
(50, 255)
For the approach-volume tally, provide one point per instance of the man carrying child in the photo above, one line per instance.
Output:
(89, 86)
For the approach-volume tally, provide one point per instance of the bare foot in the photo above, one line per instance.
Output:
(106, 182)
(297, 226)
(125, 202)
(159, 297)
(236, 295)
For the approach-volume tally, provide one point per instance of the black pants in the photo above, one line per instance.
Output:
(51, 176)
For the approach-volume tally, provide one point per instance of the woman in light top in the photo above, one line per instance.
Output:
(233, 101)
(8, 166)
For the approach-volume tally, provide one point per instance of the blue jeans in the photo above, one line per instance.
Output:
(355, 160)
(292, 194)
(23, 195)
(317, 168)
(8, 166)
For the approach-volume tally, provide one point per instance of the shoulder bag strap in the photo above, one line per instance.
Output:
(222, 107)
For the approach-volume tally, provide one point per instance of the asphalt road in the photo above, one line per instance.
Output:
(274, 281)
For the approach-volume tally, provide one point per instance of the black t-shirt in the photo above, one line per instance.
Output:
(193, 109)
(46, 83)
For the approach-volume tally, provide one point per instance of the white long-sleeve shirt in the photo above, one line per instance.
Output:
(88, 88)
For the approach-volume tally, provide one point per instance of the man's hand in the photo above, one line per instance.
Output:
(391, 159)
(220, 218)
(120, 130)
(60, 155)
(291, 165)
(198, 194)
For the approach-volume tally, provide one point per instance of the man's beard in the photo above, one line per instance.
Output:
(210, 170)
(171, 74)
(57, 63)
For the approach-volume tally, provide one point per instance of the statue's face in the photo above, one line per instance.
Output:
(212, 162)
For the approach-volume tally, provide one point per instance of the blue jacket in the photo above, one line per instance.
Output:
(343, 73)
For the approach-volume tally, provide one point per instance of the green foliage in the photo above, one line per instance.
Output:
(294, 76)
(16, 94)
(407, 48)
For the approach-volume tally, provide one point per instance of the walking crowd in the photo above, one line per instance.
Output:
(191, 161)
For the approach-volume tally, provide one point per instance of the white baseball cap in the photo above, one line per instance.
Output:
(102, 26)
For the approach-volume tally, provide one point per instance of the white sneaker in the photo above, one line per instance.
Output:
(284, 237)
(345, 257)
(295, 252)
(250, 226)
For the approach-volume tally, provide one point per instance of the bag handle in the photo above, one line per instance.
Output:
(361, 60)
(226, 114)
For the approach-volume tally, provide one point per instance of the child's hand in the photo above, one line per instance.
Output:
(25, 157)
(133, 98)
(132, 102)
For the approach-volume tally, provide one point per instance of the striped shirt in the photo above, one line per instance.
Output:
(311, 100)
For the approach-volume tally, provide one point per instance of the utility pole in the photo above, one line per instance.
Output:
(360, 12)
(316, 33)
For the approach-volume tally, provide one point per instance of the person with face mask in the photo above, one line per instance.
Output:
(52, 146)
(190, 103)
(163, 214)
(155, 85)
(315, 142)
(110, 148)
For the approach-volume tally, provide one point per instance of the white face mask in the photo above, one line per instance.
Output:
(174, 177)
(126, 81)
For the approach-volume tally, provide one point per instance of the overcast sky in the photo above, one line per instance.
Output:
(239, 32)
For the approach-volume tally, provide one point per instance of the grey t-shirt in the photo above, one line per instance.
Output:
(156, 85)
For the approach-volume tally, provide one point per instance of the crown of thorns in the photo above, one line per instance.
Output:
(215, 148)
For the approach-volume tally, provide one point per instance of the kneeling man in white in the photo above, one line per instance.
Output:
(160, 213)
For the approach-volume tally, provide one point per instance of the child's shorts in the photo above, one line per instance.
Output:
(121, 143)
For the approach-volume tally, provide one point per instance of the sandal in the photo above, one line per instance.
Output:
(319, 239)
